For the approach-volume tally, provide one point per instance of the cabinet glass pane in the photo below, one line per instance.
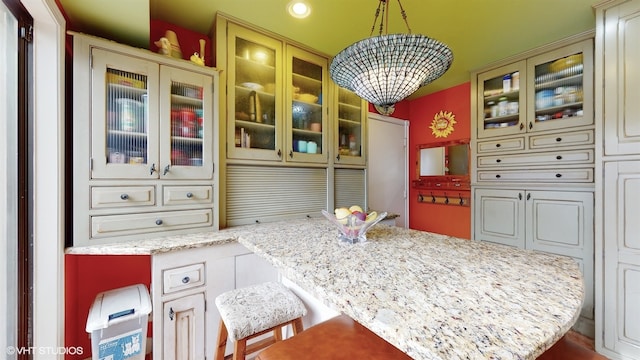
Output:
(255, 102)
(127, 123)
(501, 105)
(186, 124)
(306, 112)
(558, 86)
(349, 123)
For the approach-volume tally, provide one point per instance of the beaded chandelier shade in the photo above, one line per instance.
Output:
(387, 68)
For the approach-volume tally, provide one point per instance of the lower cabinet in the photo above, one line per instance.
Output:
(184, 285)
(559, 222)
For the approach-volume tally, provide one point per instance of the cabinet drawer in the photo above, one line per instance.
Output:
(111, 197)
(130, 224)
(557, 176)
(184, 195)
(546, 158)
(182, 278)
(583, 137)
(501, 145)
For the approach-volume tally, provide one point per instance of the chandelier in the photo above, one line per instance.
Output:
(387, 68)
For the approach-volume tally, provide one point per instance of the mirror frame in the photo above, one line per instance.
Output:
(443, 182)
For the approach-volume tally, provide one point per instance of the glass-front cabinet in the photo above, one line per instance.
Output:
(306, 110)
(275, 99)
(149, 121)
(254, 95)
(350, 128)
(550, 91)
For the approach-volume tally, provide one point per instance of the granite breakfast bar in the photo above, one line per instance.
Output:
(432, 296)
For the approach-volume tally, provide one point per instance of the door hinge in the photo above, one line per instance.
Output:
(27, 33)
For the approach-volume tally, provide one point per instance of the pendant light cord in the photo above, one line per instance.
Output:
(384, 18)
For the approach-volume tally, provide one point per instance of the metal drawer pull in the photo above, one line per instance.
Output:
(166, 169)
(559, 157)
(153, 169)
(558, 175)
(124, 197)
(189, 195)
(159, 222)
(185, 280)
(171, 313)
(558, 139)
(498, 160)
(498, 145)
(498, 176)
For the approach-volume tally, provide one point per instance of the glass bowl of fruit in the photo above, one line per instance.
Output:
(353, 222)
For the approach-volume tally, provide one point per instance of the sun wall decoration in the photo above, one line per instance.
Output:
(442, 124)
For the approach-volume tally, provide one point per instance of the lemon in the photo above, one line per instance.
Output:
(371, 216)
(355, 208)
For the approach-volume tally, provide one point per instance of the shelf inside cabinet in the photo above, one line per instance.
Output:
(253, 71)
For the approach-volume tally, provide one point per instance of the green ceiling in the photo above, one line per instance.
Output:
(478, 31)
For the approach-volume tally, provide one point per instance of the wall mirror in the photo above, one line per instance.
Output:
(443, 164)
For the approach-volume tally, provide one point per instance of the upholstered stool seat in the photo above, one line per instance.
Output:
(252, 311)
(339, 338)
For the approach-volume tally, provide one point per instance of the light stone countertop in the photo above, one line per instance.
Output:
(432, 296)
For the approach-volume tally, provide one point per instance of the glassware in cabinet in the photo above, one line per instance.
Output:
(350, 128)
(254, 95)
(501, 101)
(306, 140)
(561, 92)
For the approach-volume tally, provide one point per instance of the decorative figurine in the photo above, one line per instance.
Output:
(164, 46)
(199, 58)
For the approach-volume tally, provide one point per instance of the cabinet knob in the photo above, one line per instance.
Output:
(189, 195)
(124, 196)
(559, 157)
(558, 175)
(558, 139)
(291, 154)
(498, 176)
(528, 196)
(185, 280)
(166, 169)
(153, 169)
(498, 145)
(498, 160)
(279, 153)
(159, 222)
(530, 125)
(338, 157)
(171, 313)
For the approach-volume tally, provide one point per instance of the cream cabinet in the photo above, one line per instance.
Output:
(350, 128)
(618, 185)
(534, 155)
(277, 98)
(144, 141)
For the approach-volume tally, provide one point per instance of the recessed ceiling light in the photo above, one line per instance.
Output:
(299, 9)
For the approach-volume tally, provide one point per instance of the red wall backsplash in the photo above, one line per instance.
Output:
(451, 220)
(88, 275)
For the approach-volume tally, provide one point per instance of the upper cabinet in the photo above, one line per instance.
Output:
(552, 90)
(276, 108)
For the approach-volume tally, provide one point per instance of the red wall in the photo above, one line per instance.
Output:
(88, 275)
(451, 220)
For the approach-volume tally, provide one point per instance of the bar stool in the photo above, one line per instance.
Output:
(339, 338)
(256, 310)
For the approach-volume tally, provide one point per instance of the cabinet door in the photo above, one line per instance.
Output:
(621, 108)
(124, 117)
(499, 216)
(255, 95)
(183, 328)
(560, 88)
(306, 110)
(349, 133)
(186, 124)
(561, 222)
(621, 291)
(501, 101)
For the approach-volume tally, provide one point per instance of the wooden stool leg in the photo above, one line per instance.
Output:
(277, 333)
(240, 350)
(222, 341)
(297, 326)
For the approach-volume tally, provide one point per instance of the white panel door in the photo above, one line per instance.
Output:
(183, 325)
(387, 166)
(622, 258)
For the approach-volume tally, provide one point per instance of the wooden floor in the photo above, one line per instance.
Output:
(572, 346)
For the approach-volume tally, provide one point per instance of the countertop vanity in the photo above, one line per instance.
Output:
(430, 295)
